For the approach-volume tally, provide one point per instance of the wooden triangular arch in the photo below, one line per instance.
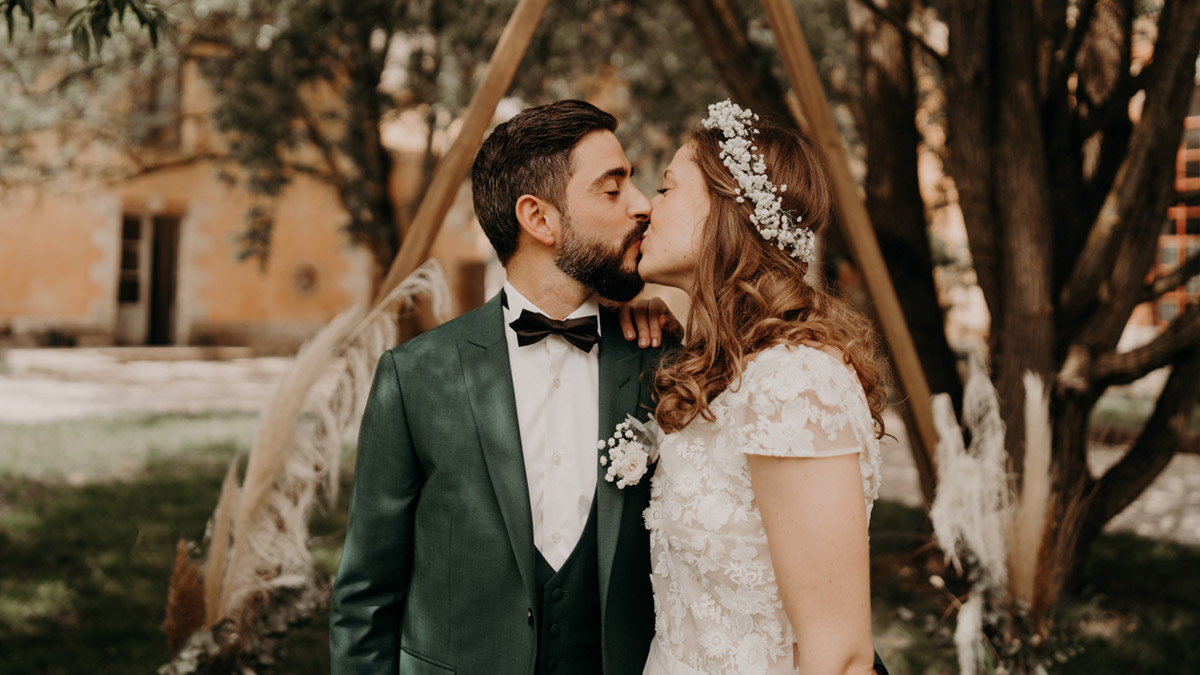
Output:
(818, 121)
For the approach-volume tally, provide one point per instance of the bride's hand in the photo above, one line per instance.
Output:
(645, 320)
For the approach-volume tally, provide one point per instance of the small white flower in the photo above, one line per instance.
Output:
(749, 170)
(631, 450)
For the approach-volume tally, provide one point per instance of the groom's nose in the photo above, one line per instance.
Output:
(639, 206)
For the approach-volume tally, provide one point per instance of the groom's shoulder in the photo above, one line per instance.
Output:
(442, 341)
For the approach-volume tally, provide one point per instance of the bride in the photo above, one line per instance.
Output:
(772, 408)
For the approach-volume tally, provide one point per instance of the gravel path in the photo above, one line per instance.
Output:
(43, 385)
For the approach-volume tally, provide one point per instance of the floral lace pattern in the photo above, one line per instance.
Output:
(716, 604)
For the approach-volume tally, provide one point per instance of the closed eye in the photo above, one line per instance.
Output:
(662, 190)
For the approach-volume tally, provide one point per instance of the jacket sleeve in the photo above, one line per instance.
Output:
(372, 579)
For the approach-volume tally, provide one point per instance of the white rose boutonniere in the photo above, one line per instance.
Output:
(631, 451)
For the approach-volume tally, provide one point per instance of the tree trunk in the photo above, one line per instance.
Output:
(893, 191)
(1025, 332)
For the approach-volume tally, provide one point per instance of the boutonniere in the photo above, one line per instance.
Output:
(631, 451)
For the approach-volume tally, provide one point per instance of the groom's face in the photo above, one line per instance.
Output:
(603, 218)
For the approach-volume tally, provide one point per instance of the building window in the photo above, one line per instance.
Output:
(129, 286)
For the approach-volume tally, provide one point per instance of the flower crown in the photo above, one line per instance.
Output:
(750, 172)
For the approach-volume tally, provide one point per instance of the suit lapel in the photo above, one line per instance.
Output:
(620, 370)
(484, 355)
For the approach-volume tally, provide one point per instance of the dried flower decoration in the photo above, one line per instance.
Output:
(750, 172)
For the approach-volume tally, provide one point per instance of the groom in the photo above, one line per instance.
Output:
(482, 536)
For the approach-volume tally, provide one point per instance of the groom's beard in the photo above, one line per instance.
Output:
(597, 266)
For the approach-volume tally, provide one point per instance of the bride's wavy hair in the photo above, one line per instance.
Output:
(748, 295)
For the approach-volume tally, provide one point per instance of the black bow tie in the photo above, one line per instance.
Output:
(533, 327)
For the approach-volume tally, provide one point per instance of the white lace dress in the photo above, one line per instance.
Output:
(716, 604)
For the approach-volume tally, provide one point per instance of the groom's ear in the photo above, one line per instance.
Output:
(538, 219)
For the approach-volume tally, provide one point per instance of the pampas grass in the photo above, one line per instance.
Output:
(1027, 523)
(969, 512)
(185, 598)
(258, 535)
(982, 518)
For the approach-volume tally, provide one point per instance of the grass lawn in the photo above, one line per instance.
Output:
(90, 512)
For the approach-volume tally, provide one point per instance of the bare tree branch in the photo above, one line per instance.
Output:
(901, 24)
(1173, 279)
(336, 178)
(155, 167)
(1165, 433)
(1182, 334)
(1064, 56)
(1123, 232)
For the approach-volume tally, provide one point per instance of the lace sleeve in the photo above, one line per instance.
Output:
(799, 402)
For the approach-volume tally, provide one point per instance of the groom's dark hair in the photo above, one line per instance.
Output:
(529, 155)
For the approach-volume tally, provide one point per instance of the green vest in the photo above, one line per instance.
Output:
(567, 611)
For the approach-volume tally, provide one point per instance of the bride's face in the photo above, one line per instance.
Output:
(672, 242)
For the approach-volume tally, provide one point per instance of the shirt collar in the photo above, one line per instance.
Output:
(518, 302)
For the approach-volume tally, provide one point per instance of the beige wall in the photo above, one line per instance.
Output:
(60, 256)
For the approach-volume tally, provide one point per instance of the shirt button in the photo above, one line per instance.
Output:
(557, 383)
(556, 538)
(557, 459)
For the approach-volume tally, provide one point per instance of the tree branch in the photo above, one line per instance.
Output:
(145, 169)
(919, 39)
(1173, 279)
(1165, 433)
(1064, 56)
(1123, 231)
(336, 178)
(1182, 334)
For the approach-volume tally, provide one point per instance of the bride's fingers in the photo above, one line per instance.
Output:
(656, 309)
(641, 316)
(625, 317)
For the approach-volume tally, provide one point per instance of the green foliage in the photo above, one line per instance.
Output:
(91, 24)
(303, 87)
(123, 99)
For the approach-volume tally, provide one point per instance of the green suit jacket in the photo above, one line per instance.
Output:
(437, 574)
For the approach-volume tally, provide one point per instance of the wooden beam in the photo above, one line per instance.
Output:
(856, 225)
(454, 165)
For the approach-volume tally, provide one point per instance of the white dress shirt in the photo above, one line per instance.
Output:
(557, 386)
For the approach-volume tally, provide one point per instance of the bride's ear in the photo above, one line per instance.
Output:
(538, 219)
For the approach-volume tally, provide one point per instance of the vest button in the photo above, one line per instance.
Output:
(551, 666)
(557, 594)
(554, 630)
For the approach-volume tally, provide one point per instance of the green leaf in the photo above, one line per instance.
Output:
(80, 41)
